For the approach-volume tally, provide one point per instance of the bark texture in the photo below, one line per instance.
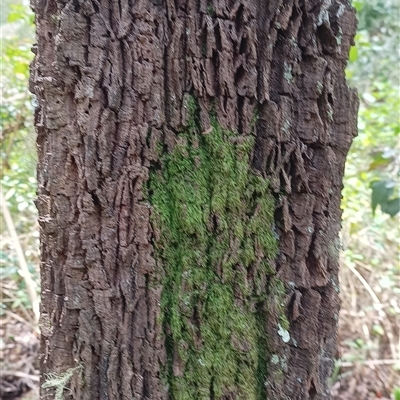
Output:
(112, 81)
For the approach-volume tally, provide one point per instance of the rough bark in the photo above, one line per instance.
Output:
(112, 81)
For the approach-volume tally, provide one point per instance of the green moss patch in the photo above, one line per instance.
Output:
(213, 219)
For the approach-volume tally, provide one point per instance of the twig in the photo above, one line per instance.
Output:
(21, 307)
(379, 307)
(18, 374)
(348, 364)
(24, 271)
(20, 319)
(365, 266)
(369, 289)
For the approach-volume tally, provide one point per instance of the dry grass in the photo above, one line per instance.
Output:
(369, 338)
(19, 366)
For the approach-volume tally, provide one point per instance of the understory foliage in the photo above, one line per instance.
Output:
(373, 164)
(213, 221)
(18, 154)
(369, 275)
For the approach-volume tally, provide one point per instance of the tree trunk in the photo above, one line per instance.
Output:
(191, 156)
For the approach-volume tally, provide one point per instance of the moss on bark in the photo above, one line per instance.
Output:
(213, 218)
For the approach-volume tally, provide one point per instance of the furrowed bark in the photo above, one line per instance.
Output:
(113, 80)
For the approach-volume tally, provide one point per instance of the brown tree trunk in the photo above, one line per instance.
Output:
(132, 95)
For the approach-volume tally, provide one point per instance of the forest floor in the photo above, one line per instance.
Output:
(369, 324)
(368, 367)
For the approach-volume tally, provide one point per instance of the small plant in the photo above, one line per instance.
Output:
(60, 382)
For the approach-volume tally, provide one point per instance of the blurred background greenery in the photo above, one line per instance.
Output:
(368, 364)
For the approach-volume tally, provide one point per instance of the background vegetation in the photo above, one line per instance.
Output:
(367, 366)
(370, 285)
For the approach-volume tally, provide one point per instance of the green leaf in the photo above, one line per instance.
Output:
(353, 54)
(357, 5)
(392, 207)
(380, 193)
(396, 393)
(18, 12)
(378, 330)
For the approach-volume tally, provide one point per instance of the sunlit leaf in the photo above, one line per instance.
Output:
(378, 330)
(10, 193)
(353, 54)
